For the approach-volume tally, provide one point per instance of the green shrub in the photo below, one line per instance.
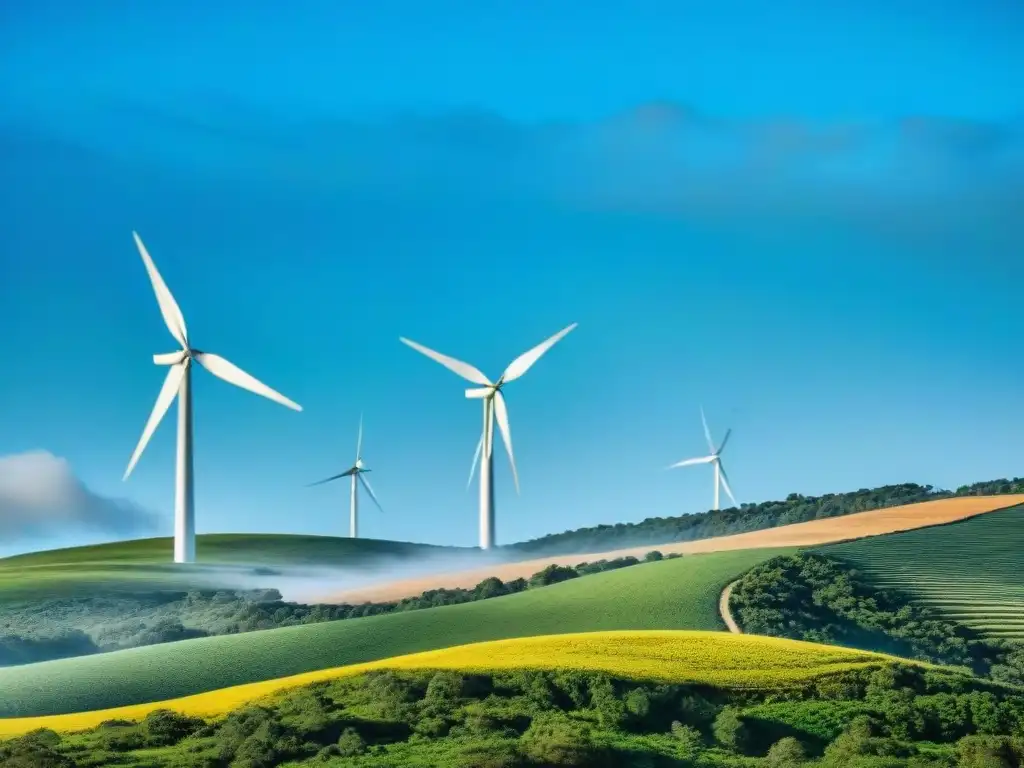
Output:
(729, 729)
(164, 728)
(554, 739)
(786, 753)
(350, 743)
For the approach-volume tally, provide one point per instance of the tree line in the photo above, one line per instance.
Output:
(796, 508)
(894, 715)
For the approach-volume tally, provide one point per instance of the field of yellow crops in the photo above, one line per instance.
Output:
(712, 658)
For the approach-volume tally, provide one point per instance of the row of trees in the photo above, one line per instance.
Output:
(751, 517)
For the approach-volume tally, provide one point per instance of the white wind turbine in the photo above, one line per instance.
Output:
(356, 472)
(179, 382)
(494, 408)
(715, 458)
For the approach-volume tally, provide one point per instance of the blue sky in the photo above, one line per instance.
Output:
(810, 221)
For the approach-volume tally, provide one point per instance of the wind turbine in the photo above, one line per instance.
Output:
(356, 472)
(715, 458)
(494, 408)
(179, 382)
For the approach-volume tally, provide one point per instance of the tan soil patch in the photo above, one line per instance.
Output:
(812, 533)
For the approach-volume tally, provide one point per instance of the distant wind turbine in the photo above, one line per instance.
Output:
(356, 472)
(178, 382)
(494, 408)
(715, 458)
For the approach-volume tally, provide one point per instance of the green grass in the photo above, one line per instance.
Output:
(970, 571)
(671, 594)
(128, 565)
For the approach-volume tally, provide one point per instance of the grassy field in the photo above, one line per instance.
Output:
(709, 658)
(671, 594)
(971, 571)
(130, 565)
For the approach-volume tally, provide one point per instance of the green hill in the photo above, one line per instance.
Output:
(127, 565)
(671, 594)
(971, 571)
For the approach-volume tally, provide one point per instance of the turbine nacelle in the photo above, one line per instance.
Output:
(172, 358)
(490, 392)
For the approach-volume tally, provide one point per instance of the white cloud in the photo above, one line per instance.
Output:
(40, 495)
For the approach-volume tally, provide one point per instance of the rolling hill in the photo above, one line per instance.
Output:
(816, 532)
(971, 572)
(671, 594)
(706, 658)
(128, 565)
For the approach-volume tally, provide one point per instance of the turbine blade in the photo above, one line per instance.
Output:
(690, 462)
(501, 412)
(329, 479)
(465, 370)
(359, 441)
(476, 459)
(163, 401)
(707, 432)
(724, 441)
(522, 364)
(168, 306)
(369, 490)
(232, 374)
(725, 483)
(477, 394)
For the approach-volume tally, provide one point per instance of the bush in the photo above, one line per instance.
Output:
(553, 574)
(554, 739)
(730, 730)
(687, 735)
(653, 556)
(785, 753)
(350, 743)
(164, 728)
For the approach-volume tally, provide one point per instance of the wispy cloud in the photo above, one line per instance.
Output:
(41, 496)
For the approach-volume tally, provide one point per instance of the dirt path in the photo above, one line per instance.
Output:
(723, 608)
(812, 533)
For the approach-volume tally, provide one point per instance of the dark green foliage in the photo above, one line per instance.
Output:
(555, 739)
(989, 752)
(751, 517)
(528, 719)
(350, 743)
(553, 574)
(162, 727)
(813, 597)
(653, 556)
(38, 749)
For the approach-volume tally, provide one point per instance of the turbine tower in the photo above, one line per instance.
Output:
(494, 408)
(714, 458)
(356, 472)
(179, 382)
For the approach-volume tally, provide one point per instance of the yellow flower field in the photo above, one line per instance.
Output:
(712, 658)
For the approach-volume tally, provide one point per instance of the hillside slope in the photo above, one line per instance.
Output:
(971, 572)
(707, 658)
(671, 594)
(815, 532)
